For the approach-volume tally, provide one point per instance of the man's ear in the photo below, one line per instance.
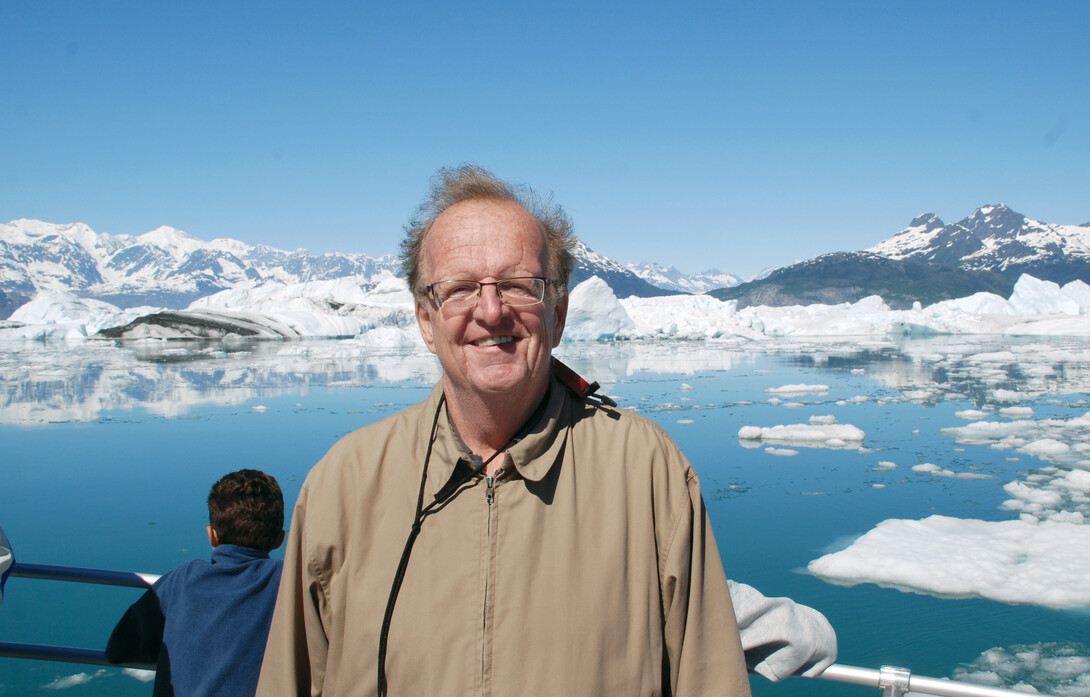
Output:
(213, 538)
(560, 316)
(279, 540)
(424, 320)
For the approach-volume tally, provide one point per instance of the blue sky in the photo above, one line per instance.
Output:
(729, 135)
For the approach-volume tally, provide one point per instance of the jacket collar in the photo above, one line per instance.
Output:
(236, 554)
(532, 455)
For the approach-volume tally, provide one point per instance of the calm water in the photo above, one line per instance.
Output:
(108, 454)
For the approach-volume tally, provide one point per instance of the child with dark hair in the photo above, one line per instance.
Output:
(205, 624)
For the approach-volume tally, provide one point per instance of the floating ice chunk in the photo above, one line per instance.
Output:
(1051, 494)
(1078, 291)
(1016, 412)
(929, 467)
(936, 471)
(1010, 396)
(63, 316)
(970, 414)
(594, 313)
(806, 435)
(921, 395)
(1058, 441)
(825, 419)
(1004, 357)
(782, 452)
(1046, 447)
(65, 682)
(138, 674)
(1055, 668)
(1009, 561)
(1032, 296)
(798, 389)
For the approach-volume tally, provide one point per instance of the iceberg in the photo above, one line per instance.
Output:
(341, 308)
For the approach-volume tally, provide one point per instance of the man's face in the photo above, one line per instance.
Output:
(491, 349)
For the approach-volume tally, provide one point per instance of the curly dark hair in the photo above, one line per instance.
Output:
(246, 508)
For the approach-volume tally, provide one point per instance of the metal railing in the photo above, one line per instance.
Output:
(893, 681)
(69, 654)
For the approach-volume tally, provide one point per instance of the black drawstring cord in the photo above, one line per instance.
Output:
(421, 513)
(404, 563)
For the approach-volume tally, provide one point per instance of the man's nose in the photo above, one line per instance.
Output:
(489, 307)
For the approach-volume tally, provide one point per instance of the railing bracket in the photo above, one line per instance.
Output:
(893, 681)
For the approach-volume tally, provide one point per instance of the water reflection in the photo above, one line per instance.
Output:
(86, 381)
(919, 401)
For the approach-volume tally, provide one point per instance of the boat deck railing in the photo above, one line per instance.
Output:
(892, 681)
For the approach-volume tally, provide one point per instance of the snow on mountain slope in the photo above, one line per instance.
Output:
(992, 238)
(672, 279)
(165, 263)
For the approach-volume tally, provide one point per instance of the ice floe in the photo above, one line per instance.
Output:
(1012, 561)
(805, 435)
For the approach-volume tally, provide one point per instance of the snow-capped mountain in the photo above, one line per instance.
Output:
(168, 268)
(621, 279)
(994, 238)
(672, 279)
(930, 261)
(164, 267)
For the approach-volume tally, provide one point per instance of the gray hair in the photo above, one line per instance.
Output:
(452, 185)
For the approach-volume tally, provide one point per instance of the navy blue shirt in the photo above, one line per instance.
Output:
(204, 624)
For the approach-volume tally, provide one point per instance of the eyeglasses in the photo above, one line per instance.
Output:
(464, 295)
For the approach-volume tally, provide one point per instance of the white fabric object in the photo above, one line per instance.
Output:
(780, 637)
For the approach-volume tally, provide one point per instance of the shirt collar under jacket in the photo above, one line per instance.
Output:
(532, 456)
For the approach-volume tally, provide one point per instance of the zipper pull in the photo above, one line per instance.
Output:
(490, 486)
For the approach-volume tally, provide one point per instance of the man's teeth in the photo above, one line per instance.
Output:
(494, 340)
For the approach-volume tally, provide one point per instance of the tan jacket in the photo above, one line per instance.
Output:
(592, 570)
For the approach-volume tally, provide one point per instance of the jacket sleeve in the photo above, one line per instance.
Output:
(704, 652)
(780, 637)
(138, 636)
(295, 655)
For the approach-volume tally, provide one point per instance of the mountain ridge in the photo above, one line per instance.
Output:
(927, 261)
(170, 268)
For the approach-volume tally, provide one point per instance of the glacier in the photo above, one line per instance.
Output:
(342, 308)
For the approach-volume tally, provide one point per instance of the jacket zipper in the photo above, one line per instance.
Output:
(490, 498)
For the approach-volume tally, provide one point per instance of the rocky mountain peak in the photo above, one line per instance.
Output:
(996, 221)
(927, 221)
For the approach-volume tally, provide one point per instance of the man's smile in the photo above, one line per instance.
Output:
(493, 340)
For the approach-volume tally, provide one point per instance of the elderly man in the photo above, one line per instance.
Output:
(511, 534)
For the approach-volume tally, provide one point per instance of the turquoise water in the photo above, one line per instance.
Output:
(108, 455)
